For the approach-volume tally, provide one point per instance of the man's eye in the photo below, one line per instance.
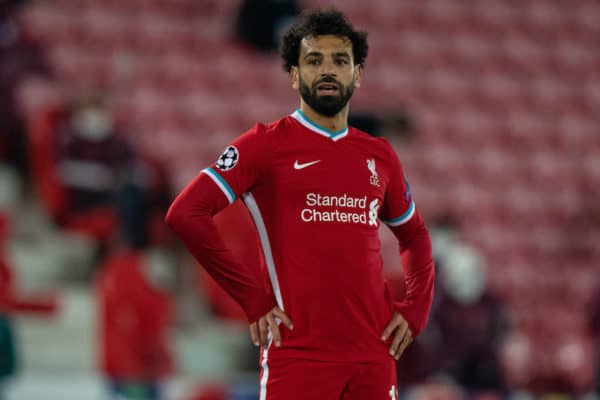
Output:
(314, 62)
(341, 61)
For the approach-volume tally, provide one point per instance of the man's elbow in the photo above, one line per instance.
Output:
(175, 217)
(413, 231)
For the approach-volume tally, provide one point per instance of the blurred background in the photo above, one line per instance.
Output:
(108, 108)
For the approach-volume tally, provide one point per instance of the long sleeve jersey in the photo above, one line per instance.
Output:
(317, 199)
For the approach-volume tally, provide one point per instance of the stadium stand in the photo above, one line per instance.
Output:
(506, 100)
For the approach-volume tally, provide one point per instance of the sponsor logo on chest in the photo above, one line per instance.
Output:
(343, 208)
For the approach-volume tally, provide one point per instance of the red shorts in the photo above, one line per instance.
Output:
(306, 379)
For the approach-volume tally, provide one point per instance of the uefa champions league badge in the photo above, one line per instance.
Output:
(228, 159)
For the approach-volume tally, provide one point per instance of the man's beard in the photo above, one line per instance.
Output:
(326, 105)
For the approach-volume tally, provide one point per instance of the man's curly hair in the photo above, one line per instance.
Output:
(317, 23)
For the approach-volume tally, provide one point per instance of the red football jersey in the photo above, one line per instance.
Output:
(317, 198)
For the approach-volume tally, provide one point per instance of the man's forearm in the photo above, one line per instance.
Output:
(190, 216)
(419, 272)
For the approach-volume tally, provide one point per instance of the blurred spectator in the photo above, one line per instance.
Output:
(469, 322)
(93, 165)
(90, 179)
(466, 322)
(20, 57)
(259, 22)
(134, 287)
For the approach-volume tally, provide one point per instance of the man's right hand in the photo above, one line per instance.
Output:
(259, 330)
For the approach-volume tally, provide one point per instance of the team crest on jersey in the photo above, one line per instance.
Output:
(228, 159)
(374, 177)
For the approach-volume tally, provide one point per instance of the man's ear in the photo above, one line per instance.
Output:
(358, 71)
(295, 77)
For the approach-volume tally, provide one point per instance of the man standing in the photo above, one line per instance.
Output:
(316, 189)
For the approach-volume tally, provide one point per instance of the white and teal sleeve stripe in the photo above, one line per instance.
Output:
(404, 217)
(221, 183)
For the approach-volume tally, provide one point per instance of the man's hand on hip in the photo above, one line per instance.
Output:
(400, 333)
(259, 330)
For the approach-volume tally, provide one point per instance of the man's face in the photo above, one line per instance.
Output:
(326, 74)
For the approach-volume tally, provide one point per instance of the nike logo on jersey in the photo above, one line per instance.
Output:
(302, 166)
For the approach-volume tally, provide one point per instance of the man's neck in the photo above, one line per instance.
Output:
(334, 124)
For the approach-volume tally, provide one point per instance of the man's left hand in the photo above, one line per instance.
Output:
(401, 335)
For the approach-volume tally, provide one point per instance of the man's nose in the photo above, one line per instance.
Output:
(328, 68)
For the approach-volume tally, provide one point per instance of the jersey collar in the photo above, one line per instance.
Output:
(299, 116)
